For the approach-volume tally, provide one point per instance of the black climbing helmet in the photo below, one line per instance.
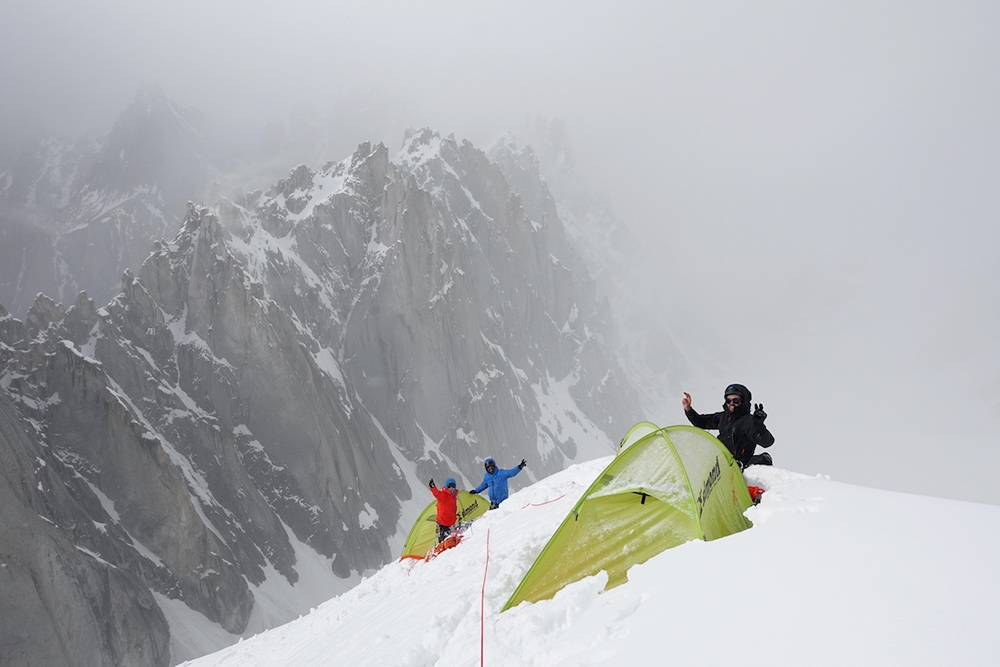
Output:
(738, 390)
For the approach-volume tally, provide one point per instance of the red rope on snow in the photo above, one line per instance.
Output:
(545, 503)
(482, 604)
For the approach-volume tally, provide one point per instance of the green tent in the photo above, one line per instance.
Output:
(423, 535)
(636, 433)
(665, 488)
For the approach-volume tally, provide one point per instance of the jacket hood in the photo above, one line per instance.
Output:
(742, 392)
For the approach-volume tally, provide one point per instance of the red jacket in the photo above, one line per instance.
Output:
(447, 505)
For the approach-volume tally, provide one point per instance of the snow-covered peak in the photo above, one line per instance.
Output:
(150, 95)
(507, 144)
(550, 140)
(152, 102)
(421, 147)
(298, 194)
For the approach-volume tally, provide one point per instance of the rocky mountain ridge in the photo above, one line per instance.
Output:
(288, 370)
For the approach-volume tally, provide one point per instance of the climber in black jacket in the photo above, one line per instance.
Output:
(739, 430)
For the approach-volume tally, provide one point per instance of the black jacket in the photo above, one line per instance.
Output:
(739, 431)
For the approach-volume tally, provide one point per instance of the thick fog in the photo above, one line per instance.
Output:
(816, 188)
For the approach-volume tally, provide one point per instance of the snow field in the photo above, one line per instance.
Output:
(830, 574)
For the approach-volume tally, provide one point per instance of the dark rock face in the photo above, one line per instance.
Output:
(68, 595)
(270, 373)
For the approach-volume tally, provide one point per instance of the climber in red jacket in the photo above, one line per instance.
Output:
(447, 505)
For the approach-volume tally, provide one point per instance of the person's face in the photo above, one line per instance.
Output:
(733, 402)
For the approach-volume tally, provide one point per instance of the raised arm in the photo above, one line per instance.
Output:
(699, 420)
(481, 487)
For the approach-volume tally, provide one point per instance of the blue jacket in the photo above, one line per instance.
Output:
(497, 482)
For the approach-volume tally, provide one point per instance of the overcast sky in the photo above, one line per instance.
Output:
(820, 180)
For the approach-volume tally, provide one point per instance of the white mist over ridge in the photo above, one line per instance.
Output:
(821, 178)
(830, 574)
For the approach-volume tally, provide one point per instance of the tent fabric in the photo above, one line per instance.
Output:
(636, 433)
(423, 535)
(664, 488)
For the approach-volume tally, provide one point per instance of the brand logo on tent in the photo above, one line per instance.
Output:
(467, 511)
(706, 489)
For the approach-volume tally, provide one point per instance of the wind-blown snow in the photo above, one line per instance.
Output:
(830, 574)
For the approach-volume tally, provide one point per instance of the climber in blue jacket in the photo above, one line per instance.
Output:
(496, 480)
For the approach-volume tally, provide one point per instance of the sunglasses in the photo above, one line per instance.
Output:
(735, 400)
(452, 486)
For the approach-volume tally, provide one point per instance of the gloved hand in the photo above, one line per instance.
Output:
(522, 464)
(758, 412)
(431, 483)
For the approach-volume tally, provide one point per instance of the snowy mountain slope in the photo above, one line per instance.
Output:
(830, 574)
